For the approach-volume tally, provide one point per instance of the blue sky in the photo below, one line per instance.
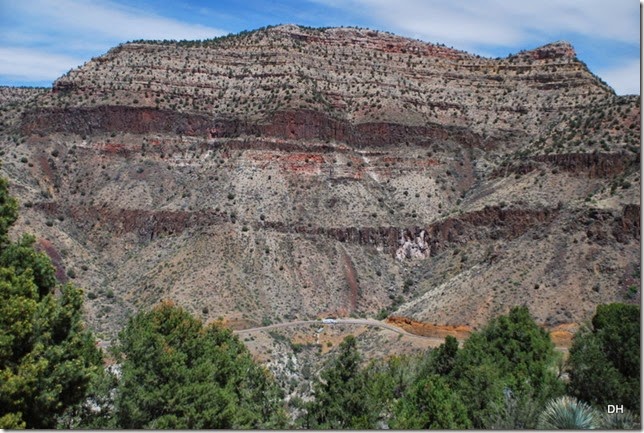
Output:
(42, 39)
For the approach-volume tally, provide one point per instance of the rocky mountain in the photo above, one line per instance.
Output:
(292, 173)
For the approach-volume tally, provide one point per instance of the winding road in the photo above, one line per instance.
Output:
(363, 322)
(339, 322)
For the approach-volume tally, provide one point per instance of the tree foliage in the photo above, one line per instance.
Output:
(177, 373)
(430, 404)
(502, 377)
(8, 211)
(572, 414)
(341, 400)
(172, 371)
(47, 358)
(604, 362)
(444, 358)
(509, 362)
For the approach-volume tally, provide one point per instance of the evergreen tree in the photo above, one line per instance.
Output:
(177, 373)
(47, 358)
(8, 211)
(604, 362)
(511, 357)
(444, 357)
(341, 400)
(96, 411)
(430, 404)
(387, 381)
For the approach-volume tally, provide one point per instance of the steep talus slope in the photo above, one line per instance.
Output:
(290, 173)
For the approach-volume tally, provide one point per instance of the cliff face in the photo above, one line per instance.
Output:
(291, 173)
(349, 74)
(291, 125)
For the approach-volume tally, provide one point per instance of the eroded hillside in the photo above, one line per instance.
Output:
(293, 173)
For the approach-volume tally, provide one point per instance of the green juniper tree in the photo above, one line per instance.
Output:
(430, 404)
(177, 373)
(341, 400)
(604, 362)
(47, 357)
(505, 368)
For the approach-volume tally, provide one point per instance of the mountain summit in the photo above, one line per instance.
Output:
(292, 173)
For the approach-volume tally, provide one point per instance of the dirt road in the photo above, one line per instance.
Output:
(339, 322)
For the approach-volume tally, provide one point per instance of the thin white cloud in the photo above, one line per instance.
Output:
(487, 26)
(625, 79)
(470, 24)
(106, 20)
(47, 38)
(34, 65)
(81, 29)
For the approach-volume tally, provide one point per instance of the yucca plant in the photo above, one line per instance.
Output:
(619, 421)
(568, 413)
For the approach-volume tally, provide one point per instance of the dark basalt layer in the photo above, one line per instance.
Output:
(302, 125)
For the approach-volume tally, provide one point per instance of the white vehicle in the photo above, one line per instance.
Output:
(329, 321)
